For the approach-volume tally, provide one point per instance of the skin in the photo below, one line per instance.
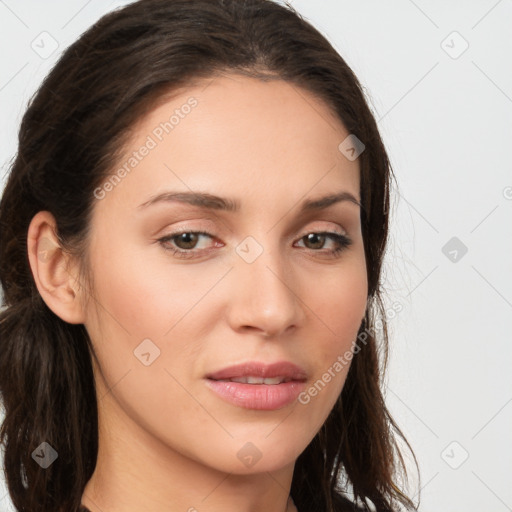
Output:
(167, 442)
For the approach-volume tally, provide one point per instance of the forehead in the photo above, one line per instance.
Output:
(239, 135)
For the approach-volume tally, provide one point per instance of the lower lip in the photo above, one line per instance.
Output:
(264, 397)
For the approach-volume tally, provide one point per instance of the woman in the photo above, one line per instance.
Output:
(192, 238)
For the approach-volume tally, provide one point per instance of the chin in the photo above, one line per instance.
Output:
(259, 454)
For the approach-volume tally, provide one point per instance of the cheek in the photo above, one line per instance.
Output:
(333, 358)
(340, 303)
(141, 293)
(345, 311)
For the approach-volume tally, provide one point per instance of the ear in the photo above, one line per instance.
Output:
(50, 267)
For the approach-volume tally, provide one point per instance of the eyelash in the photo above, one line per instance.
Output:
(342, 242)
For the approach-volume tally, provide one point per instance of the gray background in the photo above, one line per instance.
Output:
(445, 112)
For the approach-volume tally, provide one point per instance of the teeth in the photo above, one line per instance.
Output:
(259, 380)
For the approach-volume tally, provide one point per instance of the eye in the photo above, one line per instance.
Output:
(183, 244)
(185, 241)
(318, 238)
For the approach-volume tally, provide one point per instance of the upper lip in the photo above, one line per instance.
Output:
(256, 369)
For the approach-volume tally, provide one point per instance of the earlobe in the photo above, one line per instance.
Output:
(49, 264)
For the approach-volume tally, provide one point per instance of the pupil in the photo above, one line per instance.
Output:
(313, 236)
(183, 238)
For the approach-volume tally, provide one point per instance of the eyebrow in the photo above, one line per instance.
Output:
(212, 202)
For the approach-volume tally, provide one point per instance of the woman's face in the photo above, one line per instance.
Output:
(253, 288)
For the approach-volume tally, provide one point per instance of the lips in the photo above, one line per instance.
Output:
(255, 372)
(258, 386)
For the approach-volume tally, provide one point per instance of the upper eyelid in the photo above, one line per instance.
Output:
(210, 231)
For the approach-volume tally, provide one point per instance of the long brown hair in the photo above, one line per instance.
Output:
(73, 130)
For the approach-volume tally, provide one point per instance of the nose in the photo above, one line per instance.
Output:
(266, 294)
